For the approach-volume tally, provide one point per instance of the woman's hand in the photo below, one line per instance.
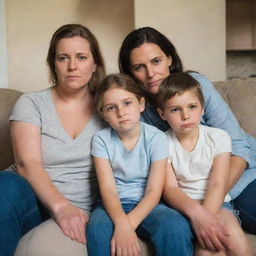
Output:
(124, 241)
(210, 231)
(72, 221)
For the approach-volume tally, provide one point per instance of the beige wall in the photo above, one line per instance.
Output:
(197, 29)
(30, 25)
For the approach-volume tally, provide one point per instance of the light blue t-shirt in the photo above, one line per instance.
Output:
(131, 167)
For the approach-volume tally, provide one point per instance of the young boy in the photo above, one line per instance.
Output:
(199, 157)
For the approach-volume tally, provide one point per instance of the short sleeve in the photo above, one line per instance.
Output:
(99, 147)
(223, 142)
(159, 147)
(26, 110)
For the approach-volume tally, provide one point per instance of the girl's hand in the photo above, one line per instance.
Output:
(210, 231)
(72, 221)
(124, 241)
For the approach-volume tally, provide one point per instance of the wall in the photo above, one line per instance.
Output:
(30, 25)
(3, 48)
(241, 64)
(197, 29)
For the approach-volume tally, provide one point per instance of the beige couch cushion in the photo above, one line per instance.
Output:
(7, 99)
(47, 239)
(240, 94)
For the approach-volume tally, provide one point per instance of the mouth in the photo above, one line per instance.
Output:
(154, 83)
(187, 125)
(124, 121)
(71, 76)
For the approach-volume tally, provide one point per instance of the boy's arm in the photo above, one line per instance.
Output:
(152, 195)
(124, 235)
(209, 231)
(218, 180)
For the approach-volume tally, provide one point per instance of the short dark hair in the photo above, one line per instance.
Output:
(69, 31)
(178, 83)
(116, 81)
(147, 35)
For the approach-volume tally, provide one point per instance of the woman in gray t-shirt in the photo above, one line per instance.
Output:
(51, 133)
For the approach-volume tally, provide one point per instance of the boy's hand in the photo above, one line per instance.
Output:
(210, 231)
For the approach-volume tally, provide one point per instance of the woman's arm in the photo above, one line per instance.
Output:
(152, 195)
(124, 237)
(218, 114)
(209, 231)
(26, 141)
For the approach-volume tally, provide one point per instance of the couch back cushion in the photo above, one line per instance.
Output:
(240, 94)
(7, 99)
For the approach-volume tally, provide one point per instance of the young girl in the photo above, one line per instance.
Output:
(130, 159)
(199, 157)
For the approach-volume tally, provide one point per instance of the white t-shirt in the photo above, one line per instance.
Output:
(193, 168)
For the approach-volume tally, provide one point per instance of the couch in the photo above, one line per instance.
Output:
(47, 239)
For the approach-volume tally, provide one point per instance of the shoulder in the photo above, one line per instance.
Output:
(151, 131)
(199, 77)
(103, 133)
(216, 134)
(34, 97)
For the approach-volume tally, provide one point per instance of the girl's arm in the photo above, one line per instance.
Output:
(26, 141)
(152, 195)
(216, 189)
(209, 231)
(124, 237)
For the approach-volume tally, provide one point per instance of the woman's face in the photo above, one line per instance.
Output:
(149, 66)
(74, 62)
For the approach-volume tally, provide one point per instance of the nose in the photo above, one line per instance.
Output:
(185, 115)
(72, 64)
(120, 112)
(150, 71)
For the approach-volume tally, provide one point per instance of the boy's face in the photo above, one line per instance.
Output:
(183, 112)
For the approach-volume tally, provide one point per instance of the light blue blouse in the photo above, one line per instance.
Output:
(218, 114)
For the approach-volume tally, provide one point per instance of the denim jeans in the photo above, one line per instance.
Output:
(245, 203)
(169, 232)
(19, 210)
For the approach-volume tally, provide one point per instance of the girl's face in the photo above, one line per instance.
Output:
(121, 109)
(183, 112)
(74, 62)
(149, 66)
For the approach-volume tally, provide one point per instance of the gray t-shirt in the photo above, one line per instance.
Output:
(131, 167)
(67, 160)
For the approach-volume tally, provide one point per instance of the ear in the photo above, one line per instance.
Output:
(142, 104)
(169, 61)
(94, 67)
(161, 114)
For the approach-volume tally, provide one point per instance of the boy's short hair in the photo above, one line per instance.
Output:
(178, 83)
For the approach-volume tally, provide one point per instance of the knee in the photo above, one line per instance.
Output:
(14, 189)
(170, 222)
(99, 227)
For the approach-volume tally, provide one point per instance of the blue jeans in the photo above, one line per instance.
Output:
(245, 203)
(166, 229)
(19, 210)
